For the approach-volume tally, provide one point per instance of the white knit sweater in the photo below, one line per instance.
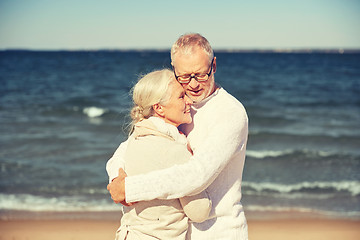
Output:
(218, 137)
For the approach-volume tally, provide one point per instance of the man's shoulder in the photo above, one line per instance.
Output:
(224, 107)
(228, 101)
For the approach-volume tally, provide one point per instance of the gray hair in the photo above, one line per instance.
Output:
(186, 44)
(151, 89)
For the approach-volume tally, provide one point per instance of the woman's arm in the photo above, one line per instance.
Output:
(197, 207)
(116, 161)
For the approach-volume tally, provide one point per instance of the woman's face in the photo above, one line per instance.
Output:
(177, 109)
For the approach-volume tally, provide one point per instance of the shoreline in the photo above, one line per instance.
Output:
(278, 229)
(115, 215)
(103, 225)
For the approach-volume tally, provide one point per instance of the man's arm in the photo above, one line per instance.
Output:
(117, 188)
(228, 135)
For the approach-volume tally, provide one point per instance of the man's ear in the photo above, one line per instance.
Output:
(158, 109)
(214, 65)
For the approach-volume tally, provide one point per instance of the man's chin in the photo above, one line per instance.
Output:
(196, 96)
(195, 99)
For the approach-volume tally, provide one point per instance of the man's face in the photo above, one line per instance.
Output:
(195, 63)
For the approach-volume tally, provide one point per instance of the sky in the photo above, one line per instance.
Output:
(156, 24)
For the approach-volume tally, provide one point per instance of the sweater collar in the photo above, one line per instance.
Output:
(157, 126)
(207, 99)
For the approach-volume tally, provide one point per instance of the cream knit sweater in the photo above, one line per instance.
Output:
(156, 145)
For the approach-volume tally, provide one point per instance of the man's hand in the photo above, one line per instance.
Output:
(117, 188)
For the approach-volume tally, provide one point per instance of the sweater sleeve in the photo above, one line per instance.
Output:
(228, 135)
(116, 161)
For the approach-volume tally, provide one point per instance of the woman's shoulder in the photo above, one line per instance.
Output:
(158, 127)
(152, 152)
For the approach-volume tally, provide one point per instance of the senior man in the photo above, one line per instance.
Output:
(218, 136)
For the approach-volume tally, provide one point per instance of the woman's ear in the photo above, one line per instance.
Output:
(158, 109)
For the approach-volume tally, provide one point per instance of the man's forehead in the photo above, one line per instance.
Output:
(189, 67)
(196, 57)
(190, 50)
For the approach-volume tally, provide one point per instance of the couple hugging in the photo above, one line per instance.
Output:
(179, 173)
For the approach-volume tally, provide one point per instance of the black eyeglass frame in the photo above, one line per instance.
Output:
(195, 75)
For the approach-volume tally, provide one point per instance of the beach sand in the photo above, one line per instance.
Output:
(304, 229)
(276, 228)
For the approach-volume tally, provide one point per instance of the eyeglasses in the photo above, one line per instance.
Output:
(200, 77)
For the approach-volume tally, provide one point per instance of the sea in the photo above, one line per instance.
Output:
(64, 113)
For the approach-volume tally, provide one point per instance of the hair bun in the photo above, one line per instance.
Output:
(137, 113)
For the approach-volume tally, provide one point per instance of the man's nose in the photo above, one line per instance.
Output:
(193, 83)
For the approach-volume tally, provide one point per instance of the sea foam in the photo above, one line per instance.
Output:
(352, 187)
(93, 112)
(27, 202)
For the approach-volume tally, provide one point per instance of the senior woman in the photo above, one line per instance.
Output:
(160, 106)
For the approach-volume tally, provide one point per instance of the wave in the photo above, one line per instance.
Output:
(264, 154)
(61, 111)
(319, 135)
(267, 154)
(351, 187)
(32, 203)
(27, 202)
(93, 112)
